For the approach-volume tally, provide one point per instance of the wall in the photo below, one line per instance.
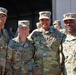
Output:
(62, 7)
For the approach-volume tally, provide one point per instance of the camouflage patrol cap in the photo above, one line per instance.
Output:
(69, 16)
(57, 22)
(44, 14)
(23, 23)
(3, 11)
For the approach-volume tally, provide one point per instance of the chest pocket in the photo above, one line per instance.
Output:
(44, 44)
(52, 40)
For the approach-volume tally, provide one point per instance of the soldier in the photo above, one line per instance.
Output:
(46, 41)
(20, 51)
(57, 25)
(69, 44)
(3, 40)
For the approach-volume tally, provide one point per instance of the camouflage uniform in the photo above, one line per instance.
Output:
(69, 51)
(19, 56)
(63, 31)
(3, 50)
(46, 57)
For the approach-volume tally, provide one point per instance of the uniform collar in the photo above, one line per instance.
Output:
(46, 31)
(71, 37)
(17, 39)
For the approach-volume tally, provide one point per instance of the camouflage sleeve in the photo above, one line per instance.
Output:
(30, 36)
(8, 70)
(6, 35)
(61, 38)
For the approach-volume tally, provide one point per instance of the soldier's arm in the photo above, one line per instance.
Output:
(6, 35)
(30, 35)
(8, 69)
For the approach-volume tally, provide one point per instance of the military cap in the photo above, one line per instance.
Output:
(44, 14)
(23, 23)
(69, 16)
(3, 11)
(57, 22)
